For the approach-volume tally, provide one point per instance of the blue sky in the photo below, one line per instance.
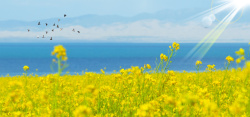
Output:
(29, 10)
(114, 21)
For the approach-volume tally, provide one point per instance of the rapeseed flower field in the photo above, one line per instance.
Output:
(137, 91)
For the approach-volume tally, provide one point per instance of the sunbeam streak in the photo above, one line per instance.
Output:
(200, 50)
(214, 10)
(210, 34)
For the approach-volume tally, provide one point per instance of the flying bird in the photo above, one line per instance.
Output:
(43, 36)
(61, 29)
(50, 38)
(78, 31)
(46, 32)
(37, 36)
(39, 23)
(65, 15)
(52, 30)
(28, 30)
(46, 24)
(57, 26)
(73, 30)
(54, 24)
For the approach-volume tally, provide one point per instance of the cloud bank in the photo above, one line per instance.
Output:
(139, 31)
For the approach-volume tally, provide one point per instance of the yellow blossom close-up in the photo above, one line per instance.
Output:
(25, 68)
(229, 59)
(198, 63)
(240, 52)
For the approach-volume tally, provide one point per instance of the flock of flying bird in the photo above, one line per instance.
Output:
(57, 26)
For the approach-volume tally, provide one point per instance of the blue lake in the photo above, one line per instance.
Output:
(113, 56)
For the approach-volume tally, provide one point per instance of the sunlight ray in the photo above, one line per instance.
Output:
(201, 52)
(213, 10)
(206, 37)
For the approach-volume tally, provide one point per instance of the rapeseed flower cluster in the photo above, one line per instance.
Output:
(82, 111)
(61, 55)
(147, 66)
(198, 63)
(60, 52)
(165, 60)
(176, 46)
(163, 57)
(229, 59)
(240, 52)
(132, 92)
(102, 71)
(211, 67)
(241, 55)
(25, 68)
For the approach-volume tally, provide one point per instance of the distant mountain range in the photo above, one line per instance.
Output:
(180, 30)
(174, 16)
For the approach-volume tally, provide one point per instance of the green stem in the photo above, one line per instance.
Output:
(168, 61)
(59, 66)
(26, 73)
(158, 67)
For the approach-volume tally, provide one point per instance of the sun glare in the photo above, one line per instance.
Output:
(240, 3)
(200, 50)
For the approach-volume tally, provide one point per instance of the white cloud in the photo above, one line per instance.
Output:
(141, 31)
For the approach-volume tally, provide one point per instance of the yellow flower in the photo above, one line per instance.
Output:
(238, 60)
(242, 58)
(198, 63)
(142, 68)
(60, 52)
(90, 88)
(122, 71)
(25, 68)
(64, 58)
(241, 52)
(148, 66)
(248, 65)
(17, 114)
(165, 58)
(82, 111)
(171, 73)
(211, 67)
(162, 56)
(229, 59)
(176, 46)
(102, 71)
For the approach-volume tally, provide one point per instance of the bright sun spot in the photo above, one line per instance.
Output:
(240, 3)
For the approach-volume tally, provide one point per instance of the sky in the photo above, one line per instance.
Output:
(29, 10)
(149, 21)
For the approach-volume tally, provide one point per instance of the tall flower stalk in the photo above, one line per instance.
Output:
(241, 56)
(60, 53)
(166, 60)
(229, 60)
(26, 68)
(198, 66)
